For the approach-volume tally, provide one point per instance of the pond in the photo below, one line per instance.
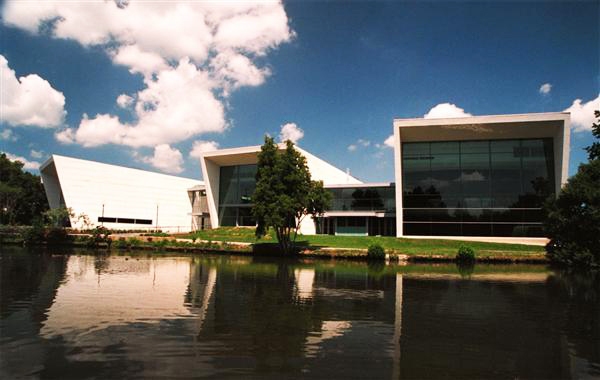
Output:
(141, 315)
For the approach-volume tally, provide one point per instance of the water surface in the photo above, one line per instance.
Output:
(85, 315)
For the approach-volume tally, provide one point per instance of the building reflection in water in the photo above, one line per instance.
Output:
(141, 316)
(125, 290)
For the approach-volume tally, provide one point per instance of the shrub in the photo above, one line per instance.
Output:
(465, 254)
(121, 243)
(100, 234)
(376, 252)
(34, 235)
(57, 236)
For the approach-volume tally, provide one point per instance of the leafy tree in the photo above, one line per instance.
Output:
(285, 193)
(594, 149)
(22, 196)
(573, 219)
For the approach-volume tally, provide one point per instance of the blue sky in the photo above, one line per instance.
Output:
(339, 71)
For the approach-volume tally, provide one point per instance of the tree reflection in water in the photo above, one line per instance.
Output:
(146, 315)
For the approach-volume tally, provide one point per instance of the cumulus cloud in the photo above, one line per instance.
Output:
(445, 110)
(29, 100)
(200, 146)
(166, 159)
(66, 136)
(36, 154)
(27, 165)
(389, 142)
(545, 88)
(582, 114)
(191, 59)
(8, 135)
(124, 101)
(292, 132)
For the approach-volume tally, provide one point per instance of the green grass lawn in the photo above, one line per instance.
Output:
(398, 245)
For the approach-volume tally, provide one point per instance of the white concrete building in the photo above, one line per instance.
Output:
(479, 175)
(118, 197)
(229, 176)
(476, 177)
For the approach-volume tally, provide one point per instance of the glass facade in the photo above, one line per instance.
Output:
(380, 198)
(476, 188)
(236, 185)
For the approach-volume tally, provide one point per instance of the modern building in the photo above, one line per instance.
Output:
(229, 177)
(478, 176)
(481, 176)
(118, 197)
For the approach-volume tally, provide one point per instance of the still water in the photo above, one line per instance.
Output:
(154, 315)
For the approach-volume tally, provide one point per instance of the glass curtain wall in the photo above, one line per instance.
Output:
(236, 186)
(380, 198)
(476, 188)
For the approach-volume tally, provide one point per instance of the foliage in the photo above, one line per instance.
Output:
(594, 149)
(59, 217)
(57, 236)
(376, 252)
(573, 219)
(36, 234)
(100, 235)
(22, 196)
(465, 254)
(285, 193)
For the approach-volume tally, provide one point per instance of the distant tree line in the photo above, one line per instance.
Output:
(22, 196)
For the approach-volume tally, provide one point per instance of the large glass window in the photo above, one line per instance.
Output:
(377, 198)
(236, 186)
(489, 187)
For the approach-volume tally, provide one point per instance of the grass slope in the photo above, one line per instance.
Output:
(398, 245)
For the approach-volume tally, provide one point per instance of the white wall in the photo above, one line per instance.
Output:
(128, 193)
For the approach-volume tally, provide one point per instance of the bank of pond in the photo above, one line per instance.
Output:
(243, 241)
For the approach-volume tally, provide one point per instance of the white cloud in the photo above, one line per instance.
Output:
(29, 100)
(36, 154)
(8, 135)
(124, 101)
(193, 52)
(445, 110)
(582, 114)
(359, 143)
(66, 136)
(292, 132)
(165, 158)
(200, 146)
(175, 106)
(27, 165)
(389, 142)
(545, 88)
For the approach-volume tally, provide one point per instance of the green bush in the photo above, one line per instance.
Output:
(100, 235)
(465, 254)
(57, 236)
(121, 243)
(376, 252)
(34, 235)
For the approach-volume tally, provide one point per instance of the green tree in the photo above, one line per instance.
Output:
(573, 219)
(594, 149)
(285, 194)
(22, 196)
